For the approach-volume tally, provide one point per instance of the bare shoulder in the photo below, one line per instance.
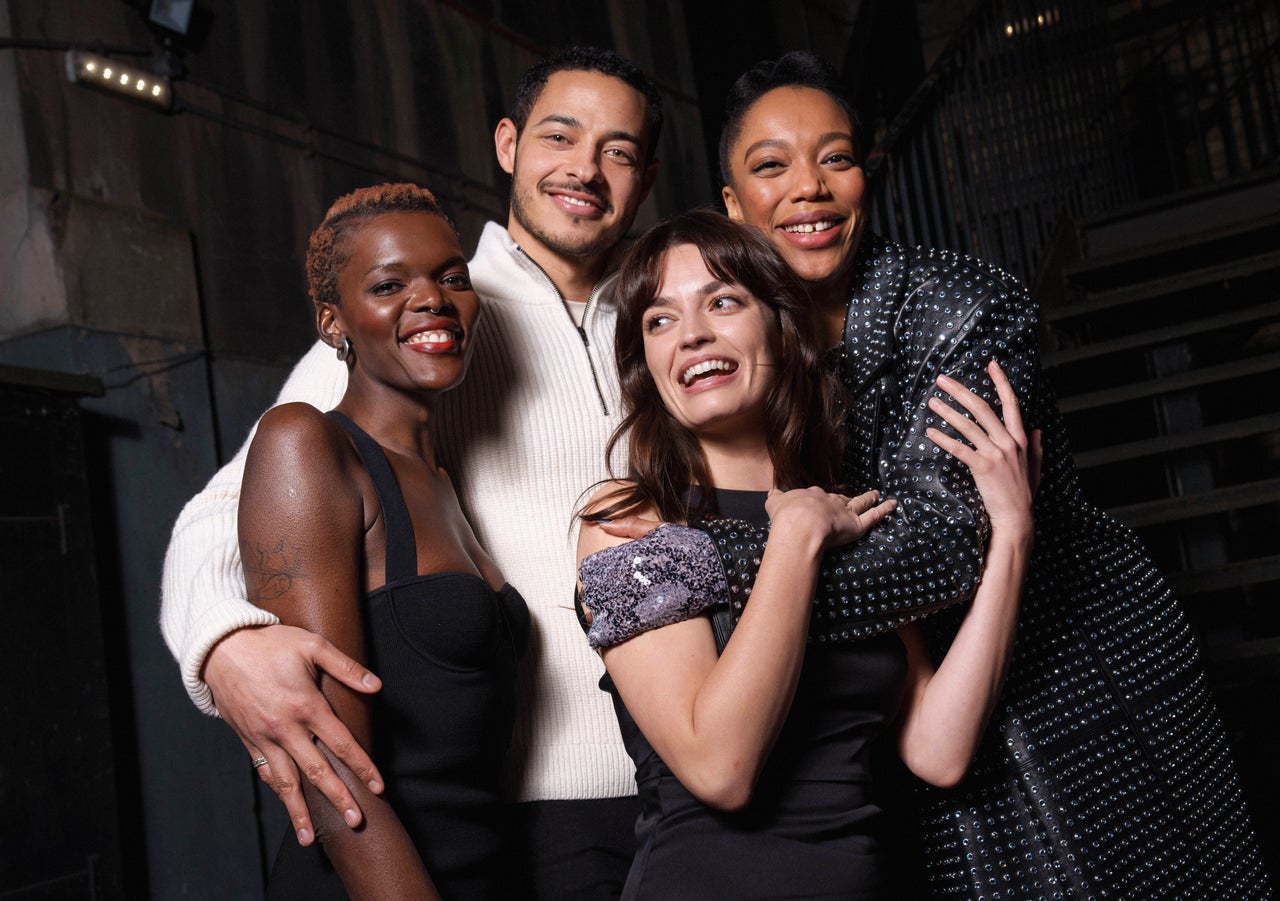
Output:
(303, 438)
(295, 420)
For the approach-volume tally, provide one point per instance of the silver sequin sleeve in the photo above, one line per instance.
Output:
(668, 576)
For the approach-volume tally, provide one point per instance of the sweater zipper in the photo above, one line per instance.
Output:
(581, 329)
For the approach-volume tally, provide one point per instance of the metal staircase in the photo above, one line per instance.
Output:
(1162, 333)
(1166, 352)
(1038, 111)
(1123, 157)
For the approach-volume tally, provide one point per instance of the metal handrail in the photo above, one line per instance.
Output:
(1038, 110)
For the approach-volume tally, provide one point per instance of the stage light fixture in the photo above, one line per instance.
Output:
(175, 15)
(114, 77)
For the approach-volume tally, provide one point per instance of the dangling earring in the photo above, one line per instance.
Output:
(344, 349)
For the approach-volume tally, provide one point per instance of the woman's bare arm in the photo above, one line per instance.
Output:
(713, 719)
(947, 709)
(302, 528)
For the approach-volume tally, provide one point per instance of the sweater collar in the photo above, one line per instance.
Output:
(503, 271)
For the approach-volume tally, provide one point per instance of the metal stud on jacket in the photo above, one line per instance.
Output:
(1105, 772)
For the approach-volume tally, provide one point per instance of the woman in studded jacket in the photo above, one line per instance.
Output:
(1106, 722)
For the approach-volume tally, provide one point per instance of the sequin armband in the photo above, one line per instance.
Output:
(668, 576)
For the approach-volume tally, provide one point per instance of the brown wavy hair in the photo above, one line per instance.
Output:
(804, 410)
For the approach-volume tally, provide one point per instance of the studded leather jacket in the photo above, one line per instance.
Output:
(912, 317)
(1105, 771)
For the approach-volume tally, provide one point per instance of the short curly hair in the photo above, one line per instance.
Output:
(327, 252)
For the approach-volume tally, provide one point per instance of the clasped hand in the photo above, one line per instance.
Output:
(831, 519)
(264, 682)
(1002, 457)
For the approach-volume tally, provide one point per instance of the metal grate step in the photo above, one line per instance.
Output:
(1163, 444)
(1243, 662)
(1221, 578)
(1171, 252)
(1193, 378)
(1163, 335)
(1189, 506)
(1164, 286)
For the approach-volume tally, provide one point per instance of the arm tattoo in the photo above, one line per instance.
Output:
(270, 574)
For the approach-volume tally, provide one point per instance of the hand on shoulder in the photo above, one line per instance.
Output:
(829, 519)
(1002, 456)
(599, 533)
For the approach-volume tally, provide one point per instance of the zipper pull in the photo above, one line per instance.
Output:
(582, 330)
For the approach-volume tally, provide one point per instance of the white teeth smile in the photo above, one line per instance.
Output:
(575, 201)
(808, 228)
(438, 336)
(704, 367)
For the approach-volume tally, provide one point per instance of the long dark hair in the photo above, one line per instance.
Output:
(803, 410)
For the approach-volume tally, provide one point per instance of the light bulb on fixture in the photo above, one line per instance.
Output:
(114, 77)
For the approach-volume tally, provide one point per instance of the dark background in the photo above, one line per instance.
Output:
(151, 271)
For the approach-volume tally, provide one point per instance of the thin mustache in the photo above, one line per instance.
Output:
(580, 188)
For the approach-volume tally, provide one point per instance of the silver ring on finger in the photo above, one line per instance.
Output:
(259, 762)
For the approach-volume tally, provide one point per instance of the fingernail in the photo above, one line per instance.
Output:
(304, 837)
(375, 786)
(351, 816)
(370, 681)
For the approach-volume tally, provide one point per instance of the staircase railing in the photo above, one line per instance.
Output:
(1071, 107)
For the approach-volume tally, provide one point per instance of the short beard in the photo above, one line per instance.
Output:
(566, 247)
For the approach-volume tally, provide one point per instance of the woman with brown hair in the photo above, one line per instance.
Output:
(348, 528)
(751, 751)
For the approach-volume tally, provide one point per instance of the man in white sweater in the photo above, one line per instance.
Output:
(522, 437)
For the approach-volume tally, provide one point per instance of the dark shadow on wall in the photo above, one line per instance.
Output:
(99, 431)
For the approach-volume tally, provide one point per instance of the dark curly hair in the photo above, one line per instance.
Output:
(796, 69)
(588, 59)
(803, 410)
(327, 252)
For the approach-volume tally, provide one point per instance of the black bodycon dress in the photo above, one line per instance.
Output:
(446, 646)
(810, 828)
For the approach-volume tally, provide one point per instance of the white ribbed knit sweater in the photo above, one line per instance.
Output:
(522, 437)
